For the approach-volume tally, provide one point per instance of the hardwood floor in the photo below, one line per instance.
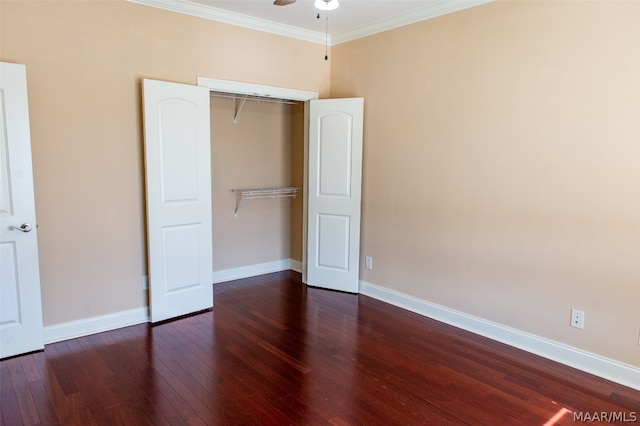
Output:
(274, 352)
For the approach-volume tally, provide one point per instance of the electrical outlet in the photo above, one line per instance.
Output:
(145, 282)
(368, 262)
(577, 318)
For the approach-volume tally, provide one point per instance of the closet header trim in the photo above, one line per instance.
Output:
(256, 90)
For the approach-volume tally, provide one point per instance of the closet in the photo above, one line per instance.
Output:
(208, 160)
(257, 175)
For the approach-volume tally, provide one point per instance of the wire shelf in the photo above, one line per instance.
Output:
(264, 193)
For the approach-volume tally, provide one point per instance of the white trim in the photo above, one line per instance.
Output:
(224, 16)
(435, 9)
(85, 327)
(296, 266)
(591, 363)
(254, 270)
(102, 323)
(305, 194)
(241, 88)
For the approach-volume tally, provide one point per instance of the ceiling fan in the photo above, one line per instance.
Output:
(320, 4)
(325, 5)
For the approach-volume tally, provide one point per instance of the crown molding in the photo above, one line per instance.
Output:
(220, 15)
(433, 10)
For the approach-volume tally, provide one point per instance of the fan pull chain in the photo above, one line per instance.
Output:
(326, 36)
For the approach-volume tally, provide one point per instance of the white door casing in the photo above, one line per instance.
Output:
(21, 328)
(334, 193)
(178, 181)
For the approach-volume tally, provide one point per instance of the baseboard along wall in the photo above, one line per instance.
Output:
(591, 363)
(255, 270)
(99, 324)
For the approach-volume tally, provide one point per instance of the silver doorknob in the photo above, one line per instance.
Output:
(25, 227)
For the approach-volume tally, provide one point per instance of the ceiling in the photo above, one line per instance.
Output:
(353, 19)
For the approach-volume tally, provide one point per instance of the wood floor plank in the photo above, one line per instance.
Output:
(9, 407)
(274, 351)
(46, 410)
(26, 404)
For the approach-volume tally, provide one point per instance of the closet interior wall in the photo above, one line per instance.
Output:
(264, 148)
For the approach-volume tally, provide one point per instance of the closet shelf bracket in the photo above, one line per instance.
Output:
(263, 193)
(239, 109)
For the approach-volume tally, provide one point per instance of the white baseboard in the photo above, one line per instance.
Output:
(85, 327)
(99, 324)
(591, 363)
(296, 266)
(255, 270)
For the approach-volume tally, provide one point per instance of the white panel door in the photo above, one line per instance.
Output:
(335, 176)
(20, 300)
(178, 179)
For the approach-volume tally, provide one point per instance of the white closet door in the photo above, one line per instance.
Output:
(21, 327)
(178, 179)
(334, 195)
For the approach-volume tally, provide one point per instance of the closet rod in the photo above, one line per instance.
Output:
(255, 98)
(245, 98)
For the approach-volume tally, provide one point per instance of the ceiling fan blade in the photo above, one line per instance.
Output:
(283, 2)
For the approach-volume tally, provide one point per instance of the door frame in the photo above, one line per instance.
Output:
(249, 89)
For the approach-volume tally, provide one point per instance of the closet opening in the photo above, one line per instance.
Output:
(289, 145)
(276, 158)
(257, 180)
(283, 146)
(291, 140)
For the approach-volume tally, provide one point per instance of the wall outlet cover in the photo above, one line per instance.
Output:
(368, 262)
(577, 318)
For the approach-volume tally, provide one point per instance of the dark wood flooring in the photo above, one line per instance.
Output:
(274, 352)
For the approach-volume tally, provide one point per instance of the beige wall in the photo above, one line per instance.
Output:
(260, 150)
(502, 165)
(85, 61)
